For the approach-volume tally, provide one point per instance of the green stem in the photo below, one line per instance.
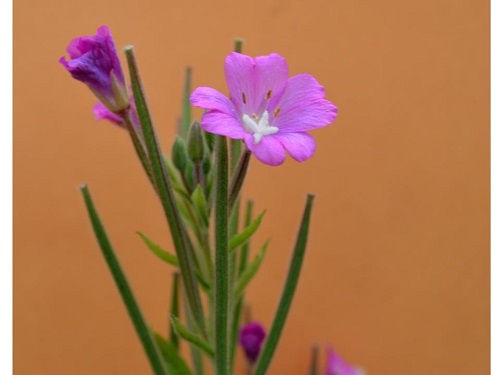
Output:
(121, 282)
(174, 309)
(238, 177)
(139, 147)
(163, 184)
(222, 320)
(288, 292)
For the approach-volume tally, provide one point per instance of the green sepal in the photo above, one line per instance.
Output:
(179, 154)
(174, 362)
(195, 143)
(191, 337)
(245, 235)
(158, 251)
(249, 272)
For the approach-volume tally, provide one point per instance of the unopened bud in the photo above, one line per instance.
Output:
(179, 154)
(195, 144)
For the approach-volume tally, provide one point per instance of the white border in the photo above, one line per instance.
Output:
(6, 127)
(495, 204)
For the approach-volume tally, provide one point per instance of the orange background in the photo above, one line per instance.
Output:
(397, 272)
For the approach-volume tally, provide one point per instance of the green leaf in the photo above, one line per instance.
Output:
(200, 203)
(191, 337)
(158, 251)
(165, 192)
(288, 292)
(121, 282)
(244, 236)
(249, 272)
(174, 362)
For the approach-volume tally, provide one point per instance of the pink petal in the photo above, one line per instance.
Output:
(102, 112)
(240, 78)
(253, 82)
(303, 107)
(271, 80)
(300, 146)
(222, 123)
(211, 99)
(269, 150)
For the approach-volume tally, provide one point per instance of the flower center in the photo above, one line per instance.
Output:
(258, 127)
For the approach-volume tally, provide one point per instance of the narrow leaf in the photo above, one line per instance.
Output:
(243, 237)
(121, 282)
(191, 337)
(174, 362)
(165, 192)
(288, 292)
(249, 272)
(158, 251)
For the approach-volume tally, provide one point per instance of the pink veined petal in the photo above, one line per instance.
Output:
(302, 106)
(271, 77)
(222, 123)
(211, 99)
(300, 146)
(102, 112)
(269, 150)
(240, 78)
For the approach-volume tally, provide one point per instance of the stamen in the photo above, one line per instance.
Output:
(255, 117)
(276, 112)
(244, 97)
(269, 93)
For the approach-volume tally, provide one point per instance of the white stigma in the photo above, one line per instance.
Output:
(260, 128)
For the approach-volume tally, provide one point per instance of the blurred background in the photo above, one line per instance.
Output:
(396, 278)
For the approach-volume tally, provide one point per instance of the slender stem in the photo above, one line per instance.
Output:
(239, 177)
(163, 185)
(174, 309)
(288, 292)
(121, 282)
(222, 319)
(243, 259)
(314, 360)
(139, 147)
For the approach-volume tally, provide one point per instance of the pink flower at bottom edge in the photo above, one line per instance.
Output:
(269, 111)
(337, 366)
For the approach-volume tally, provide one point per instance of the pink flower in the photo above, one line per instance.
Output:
(337, 366)
(269, 111)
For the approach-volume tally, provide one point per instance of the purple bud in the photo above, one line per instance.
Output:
(251, 337)
(94, 61)
(337, 366)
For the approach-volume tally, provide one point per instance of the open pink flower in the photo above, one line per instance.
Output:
(269, 111)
